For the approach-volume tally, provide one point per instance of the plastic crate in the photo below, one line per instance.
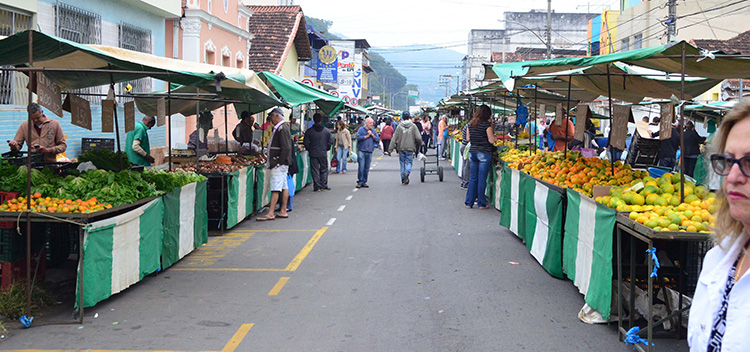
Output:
(97, 144)
(4, 197)
(20, 158)
(13, 245)
(15, 271)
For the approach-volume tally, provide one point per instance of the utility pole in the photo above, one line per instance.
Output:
(549, 28)
(672, 21)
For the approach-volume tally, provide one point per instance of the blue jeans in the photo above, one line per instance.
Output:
(479, 164)
(405, 158)
(341, 155)
(363, 166)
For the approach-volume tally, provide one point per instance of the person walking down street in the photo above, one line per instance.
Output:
(343, 146)
(318, 140)
(406, 141)
(386, 134)
(46, 135)
(426, 133)
(442, 137)
(434, 131)
(482, 137)
(367, 139)
(466, 168)
(279, 159)
(693, 143)
(720, 312)
(137, 146)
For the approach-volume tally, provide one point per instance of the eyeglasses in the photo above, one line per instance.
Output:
(722, 164)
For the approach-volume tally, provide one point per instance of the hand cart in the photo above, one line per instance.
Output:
(429, 170)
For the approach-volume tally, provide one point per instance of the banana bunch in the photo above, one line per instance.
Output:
(523, 135)
(511, 155)
(506, 143)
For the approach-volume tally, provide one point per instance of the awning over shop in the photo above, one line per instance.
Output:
(357, 109)
(56, 53)
(296, 93)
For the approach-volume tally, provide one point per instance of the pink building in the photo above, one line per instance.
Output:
(213, 32)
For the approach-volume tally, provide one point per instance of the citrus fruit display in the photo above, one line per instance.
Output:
(42, 204)
(575, 171)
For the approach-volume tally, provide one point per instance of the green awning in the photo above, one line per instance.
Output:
(357, 109)
(57, 53)
(296, 93)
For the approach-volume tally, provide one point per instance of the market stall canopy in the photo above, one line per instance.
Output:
(666, 58)
(357, 109)
(185, 101)
(56, 53)
(296, 93)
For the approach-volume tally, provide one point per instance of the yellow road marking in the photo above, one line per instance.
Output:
(237, 338)
(260, 231)
(231, 346)
(279, 285)
(294, 264)
(380, 157)
(225, 269)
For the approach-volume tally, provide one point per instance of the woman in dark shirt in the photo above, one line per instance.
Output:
(482, 138)
(692, 147)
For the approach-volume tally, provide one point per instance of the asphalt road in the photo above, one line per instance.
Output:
(387, 268)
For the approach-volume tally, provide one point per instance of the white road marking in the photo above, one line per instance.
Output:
(331, 221)
(341, 208)
(356, 189)
(349, 197)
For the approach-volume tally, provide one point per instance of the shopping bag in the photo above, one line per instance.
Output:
(352, 158)
(334, 162)
(290, 184)
(420, 156)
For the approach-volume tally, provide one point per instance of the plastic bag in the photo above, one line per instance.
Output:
(420, 156)
(291, 185)
(352, 158)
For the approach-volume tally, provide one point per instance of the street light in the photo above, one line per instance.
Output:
(547, 43)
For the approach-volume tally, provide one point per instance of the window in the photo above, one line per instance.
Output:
(637, 41)
(13, 84)
(137, 39)
(81, 26)
(625, 44)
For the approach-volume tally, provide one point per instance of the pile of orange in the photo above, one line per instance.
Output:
(575, 171)
(53, 205)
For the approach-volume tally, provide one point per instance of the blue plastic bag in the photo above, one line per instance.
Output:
(290, 183)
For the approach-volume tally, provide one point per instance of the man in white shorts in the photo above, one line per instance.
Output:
(279, 159)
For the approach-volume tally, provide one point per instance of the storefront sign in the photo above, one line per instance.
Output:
(346, 67)
(620, 126)
(80, 111)
(665, 124)
(327, 64)
(108, 113)
(129, 116)
(49, 94)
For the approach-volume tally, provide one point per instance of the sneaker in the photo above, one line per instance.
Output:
(406, 178)
(359, 185)
(326, 189)
(343, 172)
(317, 190)
(364, 185)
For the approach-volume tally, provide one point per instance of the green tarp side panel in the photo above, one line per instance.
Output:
(544, 216)
(587, 254)
(262, 191)
(171, 244)
(233, 186)
(513, 202)
(240, 194)
(121, 251)
(498, 187)
(200, 224)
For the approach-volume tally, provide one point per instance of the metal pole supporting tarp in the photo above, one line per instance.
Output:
(567, 118)
(611, 121)
(32, 80)
(117, 128)
(682, 131)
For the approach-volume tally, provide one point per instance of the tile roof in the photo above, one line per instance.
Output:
(739, 44)
(274, 30)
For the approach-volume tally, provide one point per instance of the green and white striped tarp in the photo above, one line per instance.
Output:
(263, 186)
(587, 254)
(185, 222)
(513, 201)
(303, 177)
(240, 194)
(120, 251)
(498, 187)
(544, 215)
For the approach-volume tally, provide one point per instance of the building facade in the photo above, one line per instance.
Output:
(132, 24)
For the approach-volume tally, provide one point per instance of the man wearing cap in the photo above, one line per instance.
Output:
(367, 139)
(406, 140)
(46, 135)
(279, 159)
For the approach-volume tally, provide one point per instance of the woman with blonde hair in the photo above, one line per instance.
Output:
(343, 146)
(720, 312)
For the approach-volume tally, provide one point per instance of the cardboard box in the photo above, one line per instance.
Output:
(601, 191)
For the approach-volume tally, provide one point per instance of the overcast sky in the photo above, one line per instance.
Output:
(446, 23)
